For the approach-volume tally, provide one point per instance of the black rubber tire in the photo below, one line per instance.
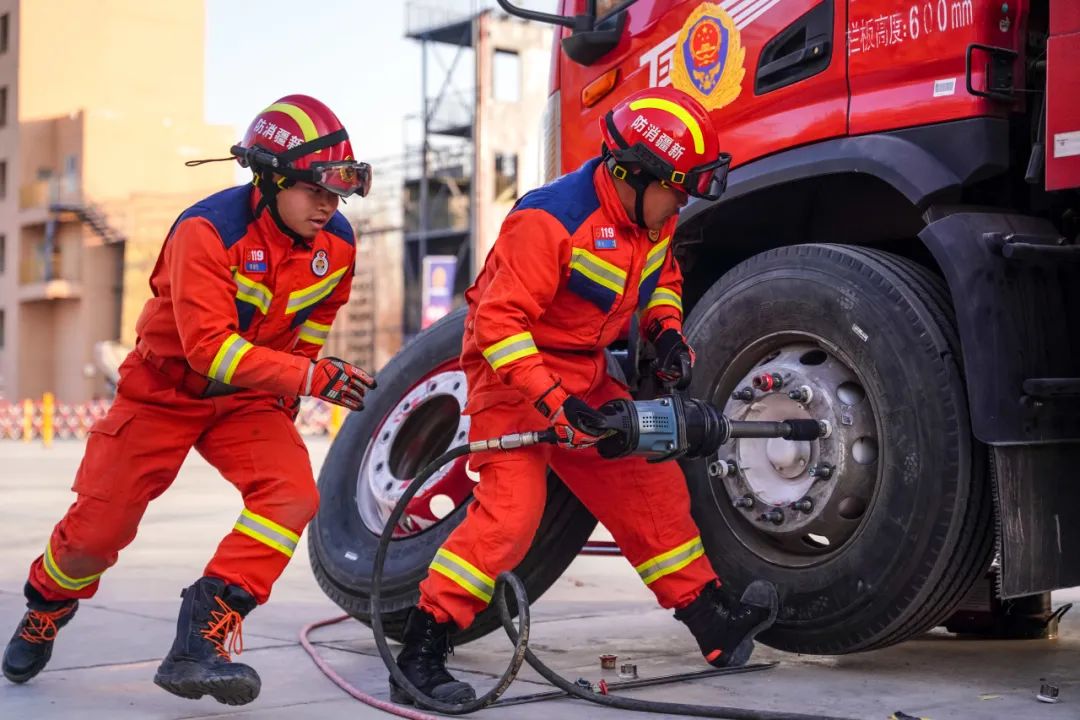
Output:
(337, 529)
(928, 535)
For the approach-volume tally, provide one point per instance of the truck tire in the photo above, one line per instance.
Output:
(342, 543)
(888, 544)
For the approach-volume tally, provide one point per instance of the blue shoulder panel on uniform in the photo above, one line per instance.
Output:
(570, 199)
(341, 228)
(229, 211)
(245, 313)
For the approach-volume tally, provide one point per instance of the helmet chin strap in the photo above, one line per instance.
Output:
(264, 180)
(638, 181)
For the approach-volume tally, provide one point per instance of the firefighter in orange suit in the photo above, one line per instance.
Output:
(573, 261)
(245, 289)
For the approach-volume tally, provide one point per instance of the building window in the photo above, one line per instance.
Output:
(505, 176)
(506, 76)
(3, 105)
(3, 253)
(5, 21)
(3, 178)
(1, 329)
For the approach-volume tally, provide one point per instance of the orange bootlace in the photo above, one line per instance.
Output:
(224, 630)
(41, 625)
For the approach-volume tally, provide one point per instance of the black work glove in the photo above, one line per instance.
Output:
(674, 359)
(577, 424)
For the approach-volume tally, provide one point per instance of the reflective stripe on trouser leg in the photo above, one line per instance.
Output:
(671, 561)
(267, 532)
(464, 574)
(52, 569)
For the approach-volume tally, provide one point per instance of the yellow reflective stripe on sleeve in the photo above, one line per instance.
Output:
(663, 296)
(512, 348)
(228, 357)
(58, 576)
(671, 561)
(255, 293)
(599, 271)
(312, 294)
(464, 574)
(314, 333)
(267, 532)
(655, 259)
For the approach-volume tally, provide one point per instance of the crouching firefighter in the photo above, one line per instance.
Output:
(573, 262)
(245, 289)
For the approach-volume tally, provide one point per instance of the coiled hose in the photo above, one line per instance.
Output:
(520, 635)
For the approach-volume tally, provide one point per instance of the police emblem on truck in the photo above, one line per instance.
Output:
(708, 58)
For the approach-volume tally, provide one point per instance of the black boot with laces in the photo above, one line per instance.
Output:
(423, 660)
(31, 646)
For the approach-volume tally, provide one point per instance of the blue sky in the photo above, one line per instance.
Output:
(351, 54)
(352, 58)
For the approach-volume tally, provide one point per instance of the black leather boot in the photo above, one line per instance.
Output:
(30, 647)
(207, 631)
(423, 660)
(725, 632)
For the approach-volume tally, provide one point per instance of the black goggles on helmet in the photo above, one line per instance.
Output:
(706, 181)
(341, 177)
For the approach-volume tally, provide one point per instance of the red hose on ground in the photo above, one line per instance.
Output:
(344, 685)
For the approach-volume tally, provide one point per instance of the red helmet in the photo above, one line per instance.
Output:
(670, 136)
(301, 139)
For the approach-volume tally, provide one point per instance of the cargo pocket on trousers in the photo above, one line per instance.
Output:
(104, 455)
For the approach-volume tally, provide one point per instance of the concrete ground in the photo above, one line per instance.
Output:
(104, 661)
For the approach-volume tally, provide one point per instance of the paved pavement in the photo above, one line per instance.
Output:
(104, 661)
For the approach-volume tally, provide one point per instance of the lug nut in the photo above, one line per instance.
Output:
(801, 395)
(821, 471)
(723, 468)
(746, 501)
(768, 381)
(746, 395)
(775, 516)
(805, 505)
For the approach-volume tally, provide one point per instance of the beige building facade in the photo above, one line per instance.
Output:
(93, 139)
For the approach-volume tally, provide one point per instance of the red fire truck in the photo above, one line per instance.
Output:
(900, 241)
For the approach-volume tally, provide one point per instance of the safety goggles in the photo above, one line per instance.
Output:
(706, 181)
(342, 178)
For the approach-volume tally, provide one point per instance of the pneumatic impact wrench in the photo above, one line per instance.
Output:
(671, 426)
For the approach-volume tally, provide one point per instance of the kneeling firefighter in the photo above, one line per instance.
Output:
(574, 261)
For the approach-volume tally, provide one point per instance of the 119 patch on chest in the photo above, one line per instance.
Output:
(255, 260)
(603, 237)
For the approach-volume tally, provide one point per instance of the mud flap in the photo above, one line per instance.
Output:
(1015, 284)
(1038, 538)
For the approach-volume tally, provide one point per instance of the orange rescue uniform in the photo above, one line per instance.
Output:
(238, 314)
(566, 274)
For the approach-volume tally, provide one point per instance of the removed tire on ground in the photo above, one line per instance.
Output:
(410, 419)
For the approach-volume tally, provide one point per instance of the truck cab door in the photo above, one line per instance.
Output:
(772, 73)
